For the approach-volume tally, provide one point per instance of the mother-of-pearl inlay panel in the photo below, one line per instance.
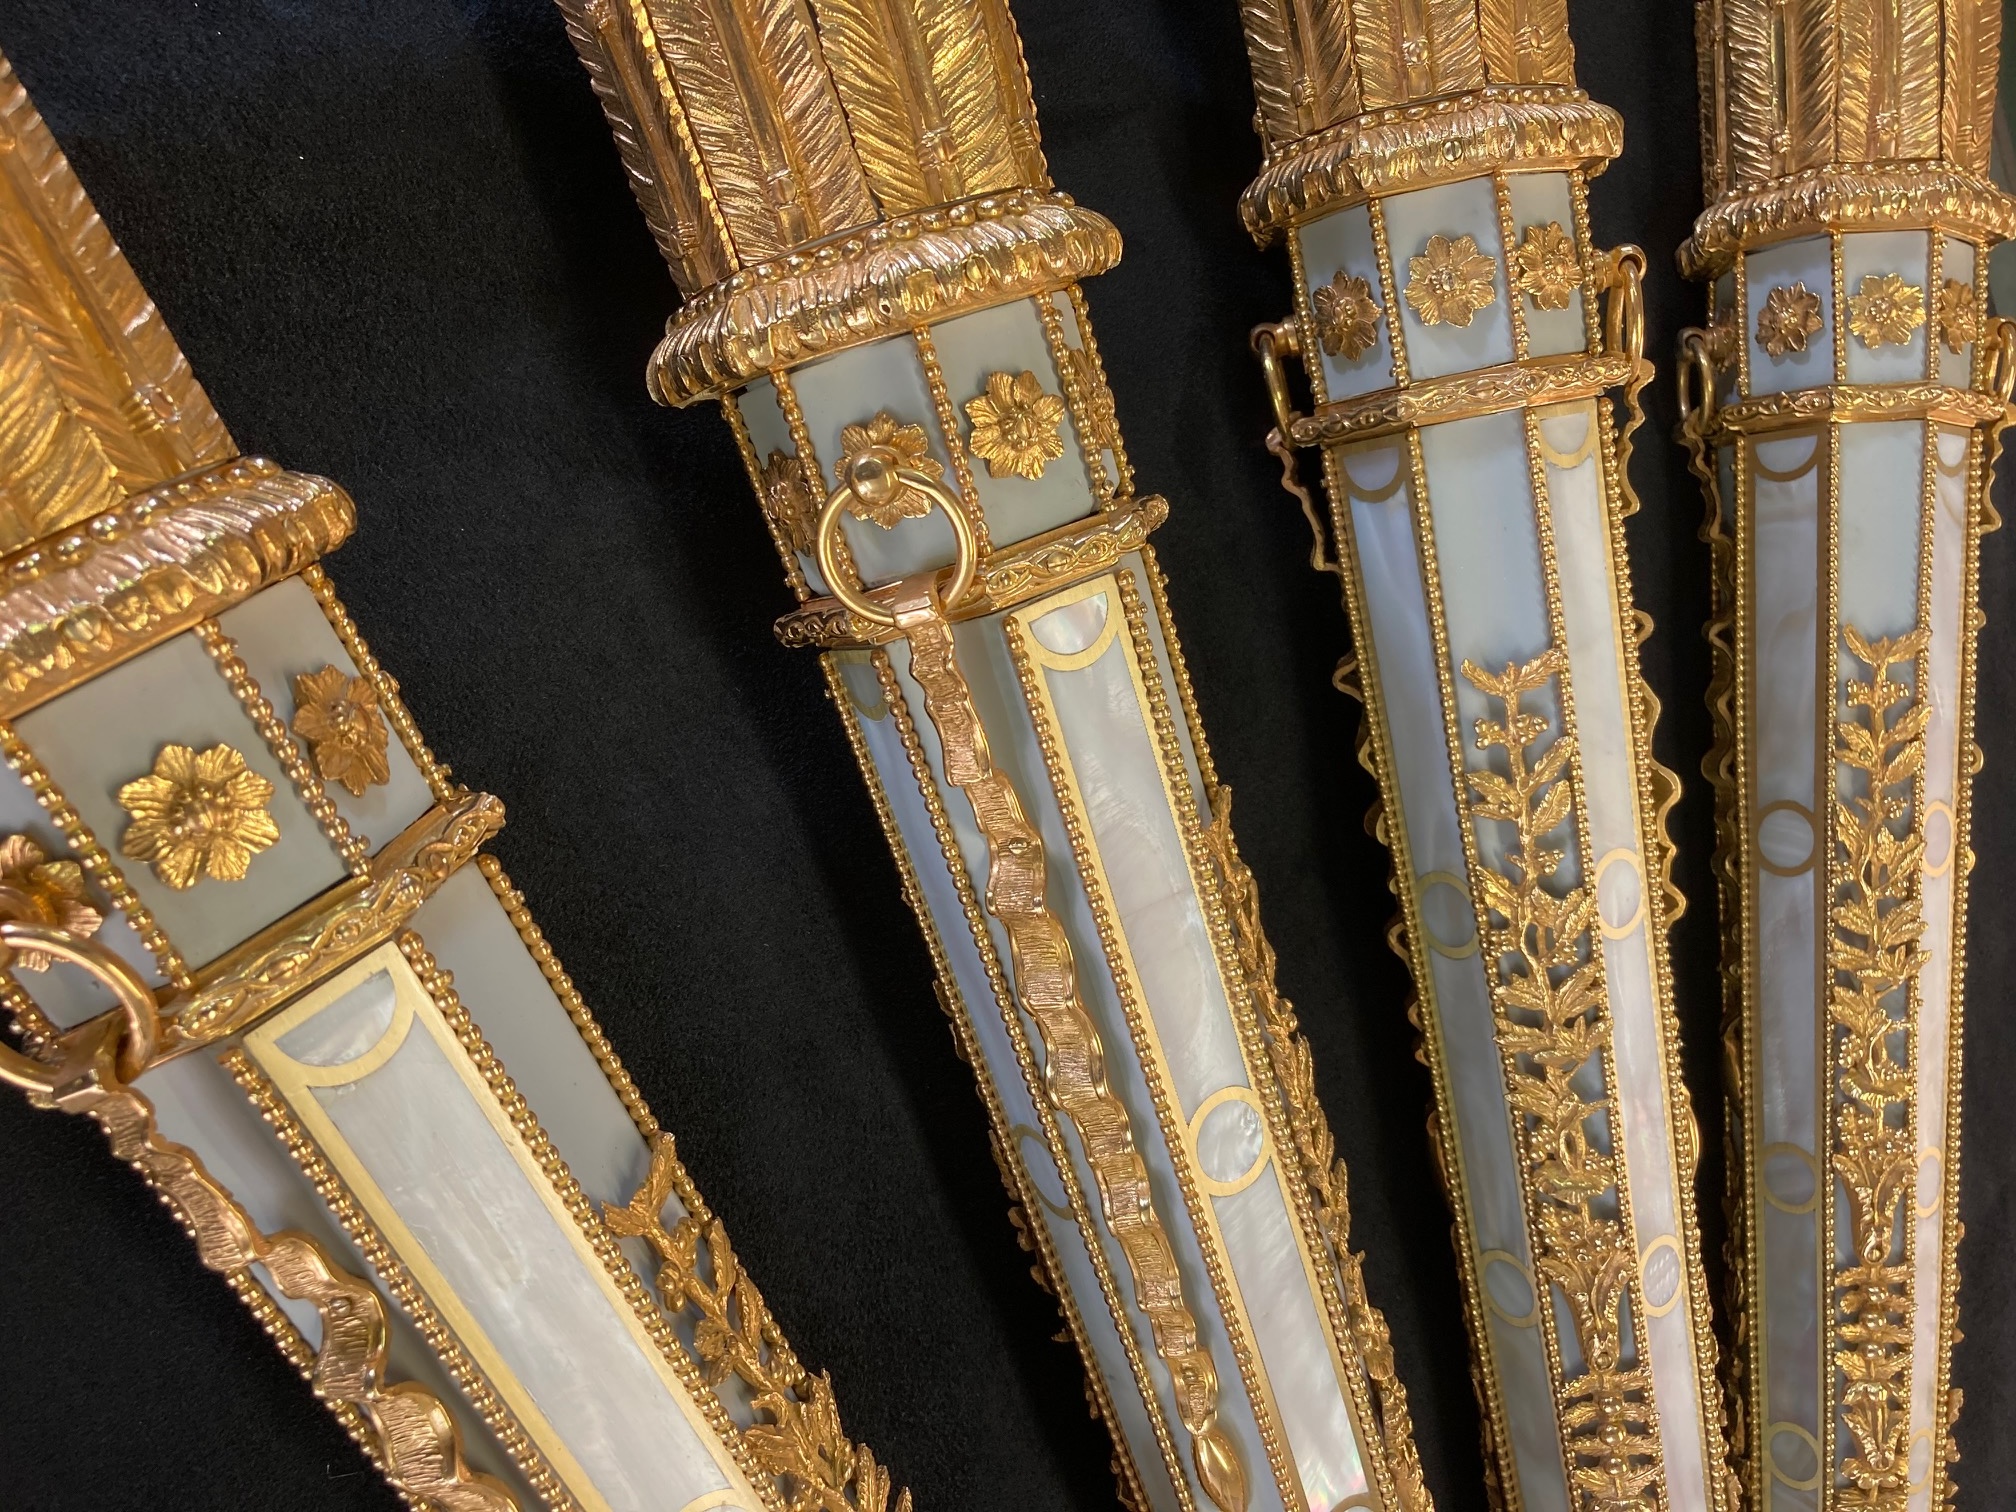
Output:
(390, 1098)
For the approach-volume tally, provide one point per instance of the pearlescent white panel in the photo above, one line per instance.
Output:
(1641, 1072)
(1867, 255)
(1083, 655)
(1010, 339)
(769, 433)
(396, 1106)
(101, 735)
(1538, 199)
(852, 388)
(1939, 977)
(199, 1106)
(1399, 661)
(1341, 242)
(1494, 604)
(997, 694)
(1072, 1245)
(283, 634)
(1468, 207)
(1957, 262)
(1787, 478)
(1807, 261)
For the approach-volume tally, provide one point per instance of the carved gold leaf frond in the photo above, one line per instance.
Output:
(1456, 58)
(797, 1436)
(99, 338)
(1812, 53)
(1910, 65)
(1382, 74)
(935, 95)
(53, 467)
(813, 147)
(701, 48)
(1551, 1006)
(1873, 955)
(1525, 41)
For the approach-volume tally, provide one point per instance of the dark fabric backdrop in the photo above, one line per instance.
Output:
(394, 241)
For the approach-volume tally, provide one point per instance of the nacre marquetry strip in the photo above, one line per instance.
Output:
(950, 332)
(390, 1097)
(1450, 304)
(1081, 671)
(1854, 384)
(433, 1259)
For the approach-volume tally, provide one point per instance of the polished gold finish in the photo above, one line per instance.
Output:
(1011, 576)
(1450, 281)
(1439, 154)
(1347, 316)
(1823, 123)
(1547, 268)
(1789, 319)
(404, 1428)
(798, 1437)
(1885, 310)
(271, 967)
(875, 482)
(154, 566)
(198, 816)
(1553, 1021)
(1874, 951)
(44, 892)
(1074, 1062)
(98, 400)
(1959, 318)
(1018, 428)
(337, 715)
(907, 449)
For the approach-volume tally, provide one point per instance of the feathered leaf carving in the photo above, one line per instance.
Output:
(695, 46)
(1750, 93)
(885, 111)
(825, 176)
(1382, 72)
(1271, 55)
(1458, 58)
(53, 471)
(1913, 65)
(1328, 65)
(960, 46)
(1814, 47)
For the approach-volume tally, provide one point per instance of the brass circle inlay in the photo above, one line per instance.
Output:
(1659, 1272)
(1775, 1162)
(1811, 1479)
(1779, 844)
(1935, 1162)
(1949, 831)
(1227, 1097)
(1021, 1134)
(1498, 1268)
(1622, 856)
(1460, 916)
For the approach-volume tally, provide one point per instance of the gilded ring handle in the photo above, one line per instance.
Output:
(1270, 343)
(866, 476)
(1624, 311)
(1694, 381)
(136, 1002)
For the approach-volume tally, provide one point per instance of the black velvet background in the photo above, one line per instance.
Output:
(394, 242)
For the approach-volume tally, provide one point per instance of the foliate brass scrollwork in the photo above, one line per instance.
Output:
(1045, 975)
(405, 1428)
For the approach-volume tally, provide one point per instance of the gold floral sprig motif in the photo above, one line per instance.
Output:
(1959, 315)
(1545, 267)
(338, 716)
(1448, 282)
(912, 450)
(197, 816)
(1885, 310)
(787, 501)
(45, 892)
(1550, 1001)
(1873, 955)
(1347, 316)
(797, 1436)
(1017, 426)
(1790, 317)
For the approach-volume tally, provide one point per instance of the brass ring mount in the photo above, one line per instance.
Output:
(142, 1029)
(872, 477)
